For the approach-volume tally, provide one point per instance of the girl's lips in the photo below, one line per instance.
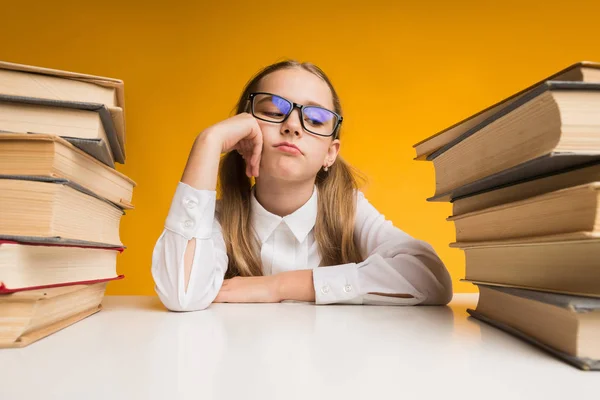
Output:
(289, 149)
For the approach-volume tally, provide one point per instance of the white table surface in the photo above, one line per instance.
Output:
(135, 349)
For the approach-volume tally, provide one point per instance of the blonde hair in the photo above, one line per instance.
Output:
(334, 227)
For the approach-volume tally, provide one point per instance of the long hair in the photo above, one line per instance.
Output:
(334, 227)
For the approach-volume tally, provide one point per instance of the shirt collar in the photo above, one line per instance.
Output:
(300, 221)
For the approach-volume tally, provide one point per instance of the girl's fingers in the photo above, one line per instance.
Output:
(249, 158)
(256, 166)
(256, 144)
(256, 154)
(244, 150)
(240, 147)
(248, 150)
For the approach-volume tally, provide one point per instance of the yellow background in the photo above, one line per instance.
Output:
(404, 71)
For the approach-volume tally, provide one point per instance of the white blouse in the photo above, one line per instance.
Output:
(395, 262)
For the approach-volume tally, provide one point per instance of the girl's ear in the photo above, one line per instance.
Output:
(332, 152)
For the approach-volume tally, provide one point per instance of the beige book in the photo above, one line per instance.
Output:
(570, 210)
(52, 84)
(567, 326)
(563, 266)
(526, 189)
(60, 121)
(53, 157)
(28, 316)
(24, 265)
(584, 71)
(51, 87)
(560, 119)
(43, 209)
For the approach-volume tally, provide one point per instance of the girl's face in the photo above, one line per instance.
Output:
(302, 87)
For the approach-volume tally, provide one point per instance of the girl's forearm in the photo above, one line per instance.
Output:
(296, 285)
(201, 173)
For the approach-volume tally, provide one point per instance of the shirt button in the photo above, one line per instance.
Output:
(188, 224)
(189, 203)
(325, 289)
(348, 288)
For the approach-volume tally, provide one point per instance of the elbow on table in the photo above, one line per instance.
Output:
(440, 293)
(177, 303)
(440, 296)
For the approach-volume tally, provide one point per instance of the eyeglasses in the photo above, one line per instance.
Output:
(272, 108)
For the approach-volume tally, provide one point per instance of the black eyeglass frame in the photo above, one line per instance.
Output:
(299, 106)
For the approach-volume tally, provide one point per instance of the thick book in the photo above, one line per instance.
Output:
(569, 210)
(566, 326)
(47, 209)
(27, 81)
(28, 316)
(584, 71)
(557, 119)
(77, 122)
(527, 188)
(561, 263)
(82, 127)
(51, 157)
(28, 265)
(542, 166)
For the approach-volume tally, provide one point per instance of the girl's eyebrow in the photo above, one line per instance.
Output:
(314, 103)
(308, 103)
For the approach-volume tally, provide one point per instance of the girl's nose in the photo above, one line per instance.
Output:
(293, 124)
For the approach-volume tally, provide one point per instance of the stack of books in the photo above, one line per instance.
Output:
(61, 198)
(524, 179)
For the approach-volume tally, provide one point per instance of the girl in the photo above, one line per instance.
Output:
(303, 231)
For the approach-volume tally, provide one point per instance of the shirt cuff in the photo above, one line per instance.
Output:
(336, 284)
(192, 212)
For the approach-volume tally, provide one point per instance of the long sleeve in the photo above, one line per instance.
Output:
(191, 216)
(395, 263)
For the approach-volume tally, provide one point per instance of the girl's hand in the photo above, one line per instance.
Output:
(254, 289)
(241, 133)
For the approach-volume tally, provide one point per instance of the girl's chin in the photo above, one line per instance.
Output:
(288, 168)
(283, 173)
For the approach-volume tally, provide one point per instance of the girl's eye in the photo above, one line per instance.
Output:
(273, 114)
(314, 122)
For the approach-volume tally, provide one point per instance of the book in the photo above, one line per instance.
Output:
(527, 188)
(105, 116)
(80, 126)
(574, 209)
(46, 209)
(556, 119)
(560, 263)
(29, 265)
(28, 316)
(584, 71)
(530, 170)
(32, 82)
(566, 326)
(37, 155)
